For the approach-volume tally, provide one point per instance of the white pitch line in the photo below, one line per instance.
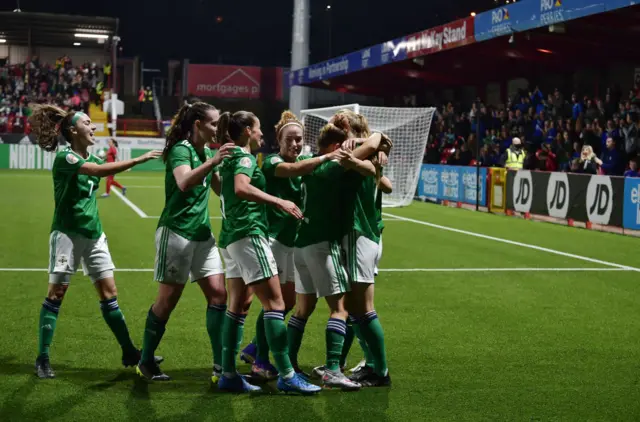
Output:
(129, 203)
(514, 243)
(391, 270)
(157, 216)
(144, 187)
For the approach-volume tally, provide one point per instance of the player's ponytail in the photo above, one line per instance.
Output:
(182, 125)
(331, 134)
(48, 123)
(230, 126)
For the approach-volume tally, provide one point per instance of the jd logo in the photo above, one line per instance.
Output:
(558, 195)
(599, 201)
(522, 191)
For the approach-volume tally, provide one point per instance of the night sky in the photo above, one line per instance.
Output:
(255, 32)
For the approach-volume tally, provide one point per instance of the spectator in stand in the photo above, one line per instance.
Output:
(611, 159)
(589, 163)
(631, 132)
(633, 169)
(545, 158)
(577, 108)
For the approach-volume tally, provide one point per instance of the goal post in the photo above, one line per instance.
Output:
(407, 127)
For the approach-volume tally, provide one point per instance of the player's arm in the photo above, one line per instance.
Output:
(244, 190)
(109, 169)
(187, 178)
(385, 185)
(364, 167)
(301, 168)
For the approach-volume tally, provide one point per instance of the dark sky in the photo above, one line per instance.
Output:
(256, 32)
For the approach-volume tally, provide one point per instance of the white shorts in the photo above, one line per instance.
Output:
(284, 260)
(378, 257)
(66, 252)
(178, 258)
(361, 255)
(251, 259)
(320, 270)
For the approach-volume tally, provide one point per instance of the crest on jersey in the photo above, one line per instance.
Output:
(276, 160)
(72, 159)
(245, 162)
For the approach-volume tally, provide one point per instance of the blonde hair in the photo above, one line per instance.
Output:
(589, 151)
(353, 123)
(287, 118)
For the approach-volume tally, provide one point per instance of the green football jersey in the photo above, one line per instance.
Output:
(241, 218)
(322, 205)
(282, 226)
(186, 213)
(76, 208)
(360, 209)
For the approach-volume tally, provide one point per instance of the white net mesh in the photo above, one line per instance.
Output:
(407, 127)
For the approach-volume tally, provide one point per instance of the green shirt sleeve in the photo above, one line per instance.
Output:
(69, 162)
(245, 165)
(179, 156)
(270, 164)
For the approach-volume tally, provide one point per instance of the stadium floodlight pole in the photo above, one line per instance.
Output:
(477, 156)
(299, 95)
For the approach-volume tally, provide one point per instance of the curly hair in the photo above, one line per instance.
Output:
(287, 118)
(48, 123)
(182, 125)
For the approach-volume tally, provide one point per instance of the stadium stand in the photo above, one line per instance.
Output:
(554, 128)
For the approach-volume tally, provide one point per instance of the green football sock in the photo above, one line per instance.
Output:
(215, 324)
(114, 318)
(153, 331)
(334, 336)
(276, 332)
(262, 345)
(374, 335)
(231, 339)
(295, 332)
(368, 356)
(47, 324)
(346, 347)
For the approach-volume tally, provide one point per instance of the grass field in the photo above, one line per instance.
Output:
(477, 328)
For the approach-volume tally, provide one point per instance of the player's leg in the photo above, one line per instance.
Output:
(115, 183)
(262, 367)
(255, 259)
(63, 260)
(172, 264)
(233, 329)
(306, 304)
(331, 281)
(362, 306)
(207, 271)
(108, 188)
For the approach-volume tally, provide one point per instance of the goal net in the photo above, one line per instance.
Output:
(407, 127)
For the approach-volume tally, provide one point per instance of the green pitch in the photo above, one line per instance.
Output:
(462, 345)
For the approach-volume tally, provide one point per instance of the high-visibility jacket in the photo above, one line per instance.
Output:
(107, 69)
(515, 161)
(148, 95)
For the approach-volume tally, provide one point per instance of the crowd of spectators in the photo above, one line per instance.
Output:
(574, 134)
(64, 84)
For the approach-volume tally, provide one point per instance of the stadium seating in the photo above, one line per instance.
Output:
(67, 85)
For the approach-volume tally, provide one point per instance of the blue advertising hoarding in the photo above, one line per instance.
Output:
(529, 14)
(452, 183)
(631, 208)
(377, 55)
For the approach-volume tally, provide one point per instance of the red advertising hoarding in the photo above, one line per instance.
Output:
(445, 37)
(226, 81)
